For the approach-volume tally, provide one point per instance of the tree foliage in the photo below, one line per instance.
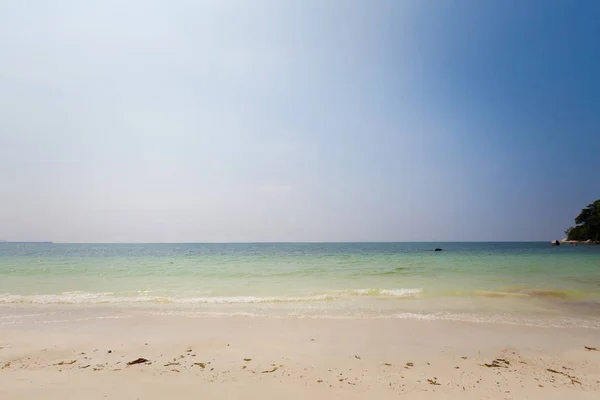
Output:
(588, 224)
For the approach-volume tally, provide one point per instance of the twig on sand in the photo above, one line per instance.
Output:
(66, 362)
(498, 363)
(137, 361)
(573, 379)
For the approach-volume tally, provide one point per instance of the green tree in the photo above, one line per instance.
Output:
(588, 224)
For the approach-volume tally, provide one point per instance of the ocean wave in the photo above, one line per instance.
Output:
(499, 319)
(144, 297)
(484, 318)
(385, 292)
(491, 293)
(104, 298)
(536, 293)
(395, 271)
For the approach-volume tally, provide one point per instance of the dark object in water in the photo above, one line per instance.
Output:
(437, 249)
(555, 243)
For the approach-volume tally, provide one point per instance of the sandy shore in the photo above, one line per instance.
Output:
(85, 354)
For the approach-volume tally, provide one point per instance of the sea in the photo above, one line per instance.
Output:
(528, 283)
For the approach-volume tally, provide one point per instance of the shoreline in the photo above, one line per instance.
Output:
(540, 308)
(241, 357)
(578, 242)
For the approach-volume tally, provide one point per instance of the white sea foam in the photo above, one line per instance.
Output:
(501, 319)
(116, 298)
(103, 298)
(402, 292)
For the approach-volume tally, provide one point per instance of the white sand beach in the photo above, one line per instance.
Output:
(80, 353)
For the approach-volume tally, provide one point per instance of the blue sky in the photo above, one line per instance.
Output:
(152, 121)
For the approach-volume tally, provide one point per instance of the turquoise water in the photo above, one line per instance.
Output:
(351, 279)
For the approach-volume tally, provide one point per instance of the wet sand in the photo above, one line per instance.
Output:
(68, 356)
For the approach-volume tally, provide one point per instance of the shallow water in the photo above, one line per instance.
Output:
(499, 281)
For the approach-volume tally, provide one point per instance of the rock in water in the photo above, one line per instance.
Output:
(437, 249)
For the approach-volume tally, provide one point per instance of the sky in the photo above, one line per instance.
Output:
(339, 120)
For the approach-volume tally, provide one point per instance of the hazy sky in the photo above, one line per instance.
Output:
(152, 121)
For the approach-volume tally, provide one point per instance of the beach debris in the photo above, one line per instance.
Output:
(137, 361)
(464, 357)
(573, 379)
(409, 364)
(6, 365)
(200, 364)
(189, 350)
(387, 364)
(433, 381)
(171, 363)
(110, 351)
(66, 362)
(312, 340)
(117, 369)
(357, 357)
(498, 363)
(244, 366)
(247, 359)
(590, 348)
(270, 370)
(175, 370)
(84, 366)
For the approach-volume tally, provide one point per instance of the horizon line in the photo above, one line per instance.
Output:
(287, 242)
